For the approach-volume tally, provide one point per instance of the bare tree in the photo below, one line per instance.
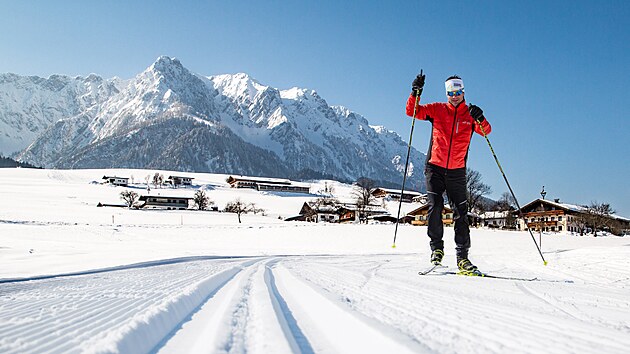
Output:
(201, 200)
(129, 197)
(147, 179)
(326, 200)
(506, 202)
(257, 210)
(618, 228)
(158, 179)
(363, 189)
(239, 207)
(476, 189)
(328, 189)
(582, 221)
(599, 215)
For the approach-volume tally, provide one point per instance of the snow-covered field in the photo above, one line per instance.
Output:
(77, 278)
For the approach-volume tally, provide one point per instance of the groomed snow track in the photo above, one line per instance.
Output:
(300, 304)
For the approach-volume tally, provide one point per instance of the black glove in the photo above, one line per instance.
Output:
(418, 85)
(476, 113)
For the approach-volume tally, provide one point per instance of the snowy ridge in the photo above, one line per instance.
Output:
(29, 105)
(156, 120)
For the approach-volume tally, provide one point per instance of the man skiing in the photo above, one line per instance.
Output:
(453, 125)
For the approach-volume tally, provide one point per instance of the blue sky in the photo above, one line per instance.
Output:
(548, 74)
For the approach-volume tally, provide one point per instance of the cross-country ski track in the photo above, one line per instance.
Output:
(307, 304)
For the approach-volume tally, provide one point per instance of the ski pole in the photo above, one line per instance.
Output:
(413, 122)
(520, 212)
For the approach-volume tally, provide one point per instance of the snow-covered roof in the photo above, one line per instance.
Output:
(370, 208)
(494, 214)
(145, 197)
(300, 184)
(268, 181)
(108, 177)
(397, 191)
(260, 179)
(573, 207)
(564, 206)
(447, 208)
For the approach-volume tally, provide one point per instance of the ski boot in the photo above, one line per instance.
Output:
(436, 256)
(467, 268)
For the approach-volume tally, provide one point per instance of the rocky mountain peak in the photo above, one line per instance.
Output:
(241, 86)
(170, 118)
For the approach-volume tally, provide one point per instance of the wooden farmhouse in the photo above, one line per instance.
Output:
(545, 215)
(419, 216)
(337, 212)
(163, 202)
(117, 181)
(394, 194)
(268, 184)
(351, 212)
(179, 181)
(554, 216)
(312, 212)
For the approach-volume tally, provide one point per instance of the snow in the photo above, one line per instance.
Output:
(92, 117)
(293, 94)
(71, 280)
(237, 85)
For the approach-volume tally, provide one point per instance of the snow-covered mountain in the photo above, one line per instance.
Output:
(170, 118)
(30, 104)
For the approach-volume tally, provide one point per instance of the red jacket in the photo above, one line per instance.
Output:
(452, 131)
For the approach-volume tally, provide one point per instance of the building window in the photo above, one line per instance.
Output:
(559, 228)
(559, 218)
(553, 218)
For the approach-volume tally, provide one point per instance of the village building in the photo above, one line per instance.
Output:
(422, 199)
(268, 184)
(394, 194)
(163, 202)
(419, 216)
(179, 181)
(554, 216)
(352, 212)
(499, 219)
(551, 216)
(338, 212)
(116, 181)
(313, 212)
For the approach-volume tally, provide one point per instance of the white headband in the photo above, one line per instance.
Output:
(454, 85)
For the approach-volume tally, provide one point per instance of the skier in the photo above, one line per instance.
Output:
(453, 124)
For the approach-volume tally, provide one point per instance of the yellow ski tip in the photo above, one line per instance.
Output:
(545, 262)
(394, 245)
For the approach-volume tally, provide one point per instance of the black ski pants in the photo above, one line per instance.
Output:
(453, 182)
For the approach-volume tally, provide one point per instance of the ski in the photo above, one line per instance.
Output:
(431, 269)
(480, 274)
